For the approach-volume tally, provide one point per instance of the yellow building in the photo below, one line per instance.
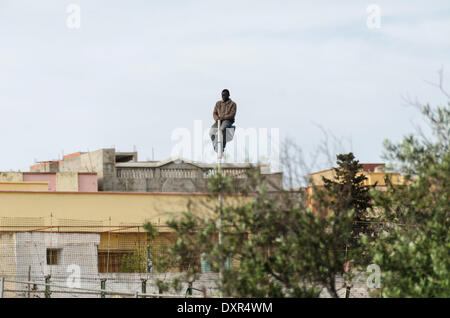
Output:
(117, 217)
(24, 186)
(374, 172)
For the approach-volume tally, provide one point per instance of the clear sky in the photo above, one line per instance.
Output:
(136, 70)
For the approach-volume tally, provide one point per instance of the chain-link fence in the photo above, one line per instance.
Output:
(87, 259)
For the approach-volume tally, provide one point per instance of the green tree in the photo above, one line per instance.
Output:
(346, 191)
(135, 262)
(413, 248)
(279, 247)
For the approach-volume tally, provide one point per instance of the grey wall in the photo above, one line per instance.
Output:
(182, 177)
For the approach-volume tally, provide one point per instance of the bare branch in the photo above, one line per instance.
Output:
(440, 85)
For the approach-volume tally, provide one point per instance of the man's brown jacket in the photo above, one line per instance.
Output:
(226, 110)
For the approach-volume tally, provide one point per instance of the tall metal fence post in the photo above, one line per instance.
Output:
(189, 289)
(102, 287)
(2, 288)
(219, 167)
(47, 286)
(144, 287)
(29, 280)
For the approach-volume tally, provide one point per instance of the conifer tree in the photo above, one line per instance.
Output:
(347, 191)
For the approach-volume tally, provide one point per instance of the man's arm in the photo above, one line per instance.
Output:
(216, 113)
(231, 113)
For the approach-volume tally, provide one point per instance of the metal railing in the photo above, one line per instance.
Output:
(82, 291)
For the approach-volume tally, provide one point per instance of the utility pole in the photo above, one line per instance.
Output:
(219, 168)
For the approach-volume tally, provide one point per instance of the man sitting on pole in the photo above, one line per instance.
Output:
(225, 111)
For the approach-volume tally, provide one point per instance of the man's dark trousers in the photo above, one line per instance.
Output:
(224, 125)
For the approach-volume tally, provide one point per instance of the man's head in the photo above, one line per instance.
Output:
(225, 95)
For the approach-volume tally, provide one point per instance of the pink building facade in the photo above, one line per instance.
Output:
(57, 181)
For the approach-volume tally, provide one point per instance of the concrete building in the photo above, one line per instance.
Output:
(54, 216)
(116, 218)
(121, 171)
(71, 260)
(45, 233)
(104, 208)
(48, 181)
(36, 255)
(374, 172)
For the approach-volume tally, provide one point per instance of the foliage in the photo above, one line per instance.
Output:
(279, 247)
(135, 262)
(413, 250)
(346, 191)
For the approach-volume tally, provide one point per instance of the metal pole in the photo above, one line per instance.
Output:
(102, 287)
(189, 289)
(47, 286)
(2, 288)
(219, 141)
(144, 287)
(219, 166)
(347, 288)
(29, 279)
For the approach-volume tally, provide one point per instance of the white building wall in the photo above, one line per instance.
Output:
(77, 251)
(27, 252)
(21, 252)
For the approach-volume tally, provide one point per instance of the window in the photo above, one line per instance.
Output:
(53, 256)
(111, 262)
